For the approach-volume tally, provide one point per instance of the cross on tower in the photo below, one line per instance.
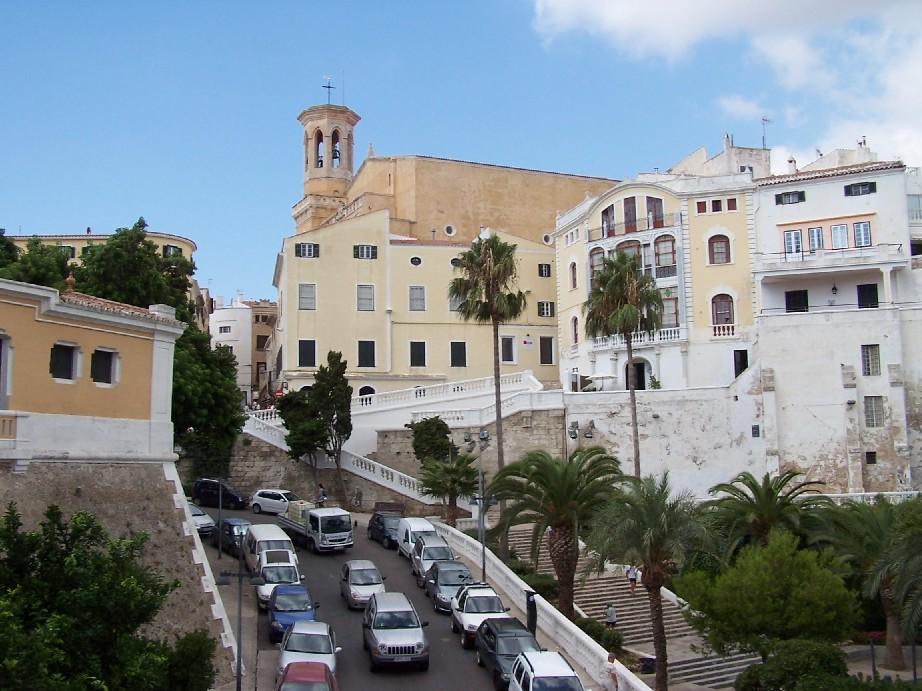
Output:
(329, 87)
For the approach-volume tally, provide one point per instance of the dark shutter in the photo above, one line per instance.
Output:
(802, 196)
(62, 362)
(355, 251)
(546, 348)
(366, 353)
(374, 252)
(101, 366)
(551, 306)
(307, 353)
(867, 295)
(507, 349)
(849, 191)
(779, 199)
(316, 249)
(458, 354)
(872, 186)
(417, 353)
(299, 249)
(796, 301)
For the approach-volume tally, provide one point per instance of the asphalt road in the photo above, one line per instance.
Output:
(450, 667)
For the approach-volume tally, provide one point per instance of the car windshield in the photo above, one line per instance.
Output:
(335, 524)
(365, 577)
(420, 533)
(304, 686)
(291, 496)
(437, 553)
(556, 684)
(196, 511)
(280, 574)
(513, 645)
(454, 577)
(484, 604)
(292, 602)
(239, 529)
(391, 523)
(396, 620)
(309, 643)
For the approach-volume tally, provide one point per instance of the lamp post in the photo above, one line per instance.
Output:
(220, 526)
(483, 504)
(224, 579)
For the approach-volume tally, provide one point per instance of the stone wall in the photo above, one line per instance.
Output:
(129, 498)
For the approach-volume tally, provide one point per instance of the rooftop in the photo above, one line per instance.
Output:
(855, 169)
(110, 307)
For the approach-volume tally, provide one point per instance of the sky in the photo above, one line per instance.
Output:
(185, 112)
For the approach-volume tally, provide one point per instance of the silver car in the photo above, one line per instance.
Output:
(427, 550)
(392, 632)
(308, 641)
(358, 581)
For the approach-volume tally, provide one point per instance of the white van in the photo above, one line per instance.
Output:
(263, 537)
(408, 530)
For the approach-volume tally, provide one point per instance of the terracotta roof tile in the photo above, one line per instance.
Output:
(829, 172)
(100, 305)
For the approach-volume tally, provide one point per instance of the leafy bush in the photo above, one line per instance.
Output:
(790, 662)
(610, 639)
(519, 567)
(542, 583)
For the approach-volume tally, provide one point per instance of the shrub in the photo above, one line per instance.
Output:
(792, 661)
(610, 639)
(542, 583)
(519, 567)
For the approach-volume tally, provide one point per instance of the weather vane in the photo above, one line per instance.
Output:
(329, 87)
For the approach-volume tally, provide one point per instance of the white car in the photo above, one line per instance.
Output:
(272, 500)
(358, 581)
(308, 641)
(533, 671)
(204, 523)
(276, 568)
(470, 606)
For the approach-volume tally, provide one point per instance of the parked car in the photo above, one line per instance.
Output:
(299, 676)
(205, 493)
(275, 571)
(358, 581)
(263, 537)
(204, 523)
(427, 550)
(543, 670)
(289, 604)
(408, 529)
(442, 582)
(392, 632)
(272, 500)
(472, 604)
(382, 527)
(498, 643)
(231, 531)
(308, 641)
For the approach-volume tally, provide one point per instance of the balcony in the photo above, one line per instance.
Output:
(809, 260)
(723, 330)
(651, 222)
(641, 339)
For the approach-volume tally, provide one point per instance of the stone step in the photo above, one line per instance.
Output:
(712, 671)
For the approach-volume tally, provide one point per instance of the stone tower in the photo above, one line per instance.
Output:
(328, 163)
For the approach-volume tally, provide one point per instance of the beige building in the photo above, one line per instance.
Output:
(368, 269)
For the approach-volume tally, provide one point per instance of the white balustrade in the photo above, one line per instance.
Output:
(269, 433)
(866, 497)
(669, 334)
(724, 330)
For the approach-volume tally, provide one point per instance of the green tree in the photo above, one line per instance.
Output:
(72, 600)
(772, 592)
(748, 510)
(563, 495)
(792, 662)
(449, 479)
(307, 433)
(644, 524)
(901, 565)
(9, 253)
(623, 300)
(44, 265)
(431, 439)
(331, 397)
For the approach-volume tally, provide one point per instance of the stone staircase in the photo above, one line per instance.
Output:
(592, 594)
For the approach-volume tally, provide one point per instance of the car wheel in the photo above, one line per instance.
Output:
(311, 547)
(369, 534)
(387, 543)
(423, 666)
(464, 643)
(498, 681)
(257, 508)
(454, 626)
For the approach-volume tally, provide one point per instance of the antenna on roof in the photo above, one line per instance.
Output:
(329, 87)
(765, 121)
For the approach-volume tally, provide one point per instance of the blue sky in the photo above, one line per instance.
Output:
(185, 113)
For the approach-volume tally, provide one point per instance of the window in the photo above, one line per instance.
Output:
(68, 251)
(740, 365)
(856, 189)
(790, 197)
(719, 249)
(839, 234)
(261, 343)
(867, 295)
(365, 298)
(701, 206)
(792, 244)
(454, 303)
(870, 457)
(870, 360)
(716, 205)
(307, 296)
(507, 349)
(862, 234)
(795, 301)
(307, 353)
(367, 391)
(574, 330)
(596, 258)
(224, 329)
(608, 221)
(815, 238)
(307, 250)
(458, 354)
(572, 275)
(630, 215)
(172, 251)
(664, 249)
(417, 353)
(914, 202)
(365, 251)
(63, 363)
(102, 366)
(455, 262)
(417, 298)
(655, 218)
(544, 270)
(873, 411)
(416, 261)
(722, 309)
(670, 313)
(545, 309)
(631, 249)
(366, 353)
(731, 204)
(85, 250)
(546, 350)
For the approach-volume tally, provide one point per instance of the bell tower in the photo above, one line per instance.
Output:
(328, 163)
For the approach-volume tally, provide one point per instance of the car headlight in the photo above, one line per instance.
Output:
(382, 647)
(323, 538)
(419, 646)
(471, 627)
(277, 625)
(505, 676)
(355, 594)
(441, 598)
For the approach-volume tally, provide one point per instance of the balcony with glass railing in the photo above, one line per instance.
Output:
(807, 259)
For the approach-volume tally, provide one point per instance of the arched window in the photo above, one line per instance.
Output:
(574, 330)
(722, 309)
(664, 249)
(631, 249)
(337, 154)
(318, 149)
(572, 275)
(367, 391)
(596, 257)
(608, 221)
(719, 249)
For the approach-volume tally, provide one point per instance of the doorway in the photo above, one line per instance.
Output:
(640, 375)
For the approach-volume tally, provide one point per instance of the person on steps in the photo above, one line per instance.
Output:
(611, 616)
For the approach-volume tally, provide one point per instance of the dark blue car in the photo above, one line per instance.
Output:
(288, 604)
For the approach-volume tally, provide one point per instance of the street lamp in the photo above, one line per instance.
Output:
(224, 579)
(483, 503)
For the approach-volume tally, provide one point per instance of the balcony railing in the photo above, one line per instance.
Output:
(669, 334)
(829, 257)
(651, 222)
(723, 330)
(7, 426)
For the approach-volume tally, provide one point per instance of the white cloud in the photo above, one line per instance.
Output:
(740, 107)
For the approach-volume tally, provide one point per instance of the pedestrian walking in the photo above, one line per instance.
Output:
(611, 673)
(611, 616)
(321, 495)
(632, 577)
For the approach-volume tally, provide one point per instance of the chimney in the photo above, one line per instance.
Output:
(727, 141)
(792, 164)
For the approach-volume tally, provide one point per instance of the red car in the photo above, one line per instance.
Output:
(307, 676)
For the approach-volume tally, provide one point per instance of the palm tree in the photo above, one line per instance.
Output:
(645, 525)
(564, 496)
(861, 534)
(748, 510)
(623, 300)
(449, 479)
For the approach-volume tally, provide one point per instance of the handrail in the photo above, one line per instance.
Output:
(669, 334)
(872, 251)
(864, 497)
(480, 417)
(446, 389)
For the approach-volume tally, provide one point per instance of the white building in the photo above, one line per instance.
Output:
(232, 326)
